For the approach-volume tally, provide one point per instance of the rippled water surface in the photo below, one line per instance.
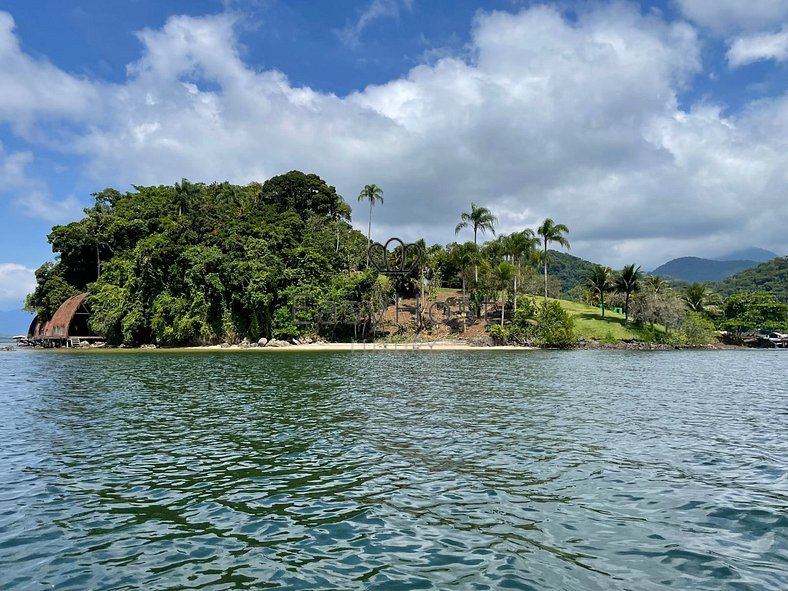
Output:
(394, 470)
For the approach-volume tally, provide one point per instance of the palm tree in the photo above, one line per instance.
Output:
(656, 284)
(373, 194)
(551, 232)
(463, 256)
(696, 297)
(628, 282)
(503, 273)
(520, 245)
(185, 194)
(478, 218)
(600, 280)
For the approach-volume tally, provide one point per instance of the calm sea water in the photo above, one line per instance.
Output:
(394, 470)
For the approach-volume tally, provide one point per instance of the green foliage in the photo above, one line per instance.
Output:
(464, 257)
(52, 289)
(109, 304)
(201, 263)
(695, 297)
(527, 311)
(546, 324)
(555, 326)
(600, 281)
(569, 270)
(696, 330)
(551, 232)
(770, 277)
(499, 334)
(750, 312)
(373, 194)
(304, 193)
(283, 327)
(195, 263)
(628, 282)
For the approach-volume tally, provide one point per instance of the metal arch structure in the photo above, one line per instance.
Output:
(379, 257)
(370, 313)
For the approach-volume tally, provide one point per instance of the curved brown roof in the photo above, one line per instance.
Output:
(58, 326)
(37, 328)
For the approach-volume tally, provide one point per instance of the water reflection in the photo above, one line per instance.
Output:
(394, 470)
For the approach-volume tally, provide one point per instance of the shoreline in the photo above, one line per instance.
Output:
(441, 345)
(445, 345)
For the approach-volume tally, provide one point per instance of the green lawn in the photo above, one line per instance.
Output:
(589, 323)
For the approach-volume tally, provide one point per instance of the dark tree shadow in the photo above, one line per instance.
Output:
(593, 316)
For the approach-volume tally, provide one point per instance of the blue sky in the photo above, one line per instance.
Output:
(652, 129)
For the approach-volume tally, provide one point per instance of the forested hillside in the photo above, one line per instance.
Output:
(770, 277)
(570, 270)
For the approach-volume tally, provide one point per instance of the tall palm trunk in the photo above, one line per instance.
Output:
(545, 269)
(626, 308)
(369, 231)
(475, 267)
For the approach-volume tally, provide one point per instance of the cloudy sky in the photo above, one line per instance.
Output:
(653, 129)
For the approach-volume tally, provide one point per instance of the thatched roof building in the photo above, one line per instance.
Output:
(37, 329)
(70, 320)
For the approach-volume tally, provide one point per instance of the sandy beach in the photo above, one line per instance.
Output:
(446, 345)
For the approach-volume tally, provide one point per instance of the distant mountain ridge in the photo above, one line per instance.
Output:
(698, 269)
(752, 253)
(694, 269)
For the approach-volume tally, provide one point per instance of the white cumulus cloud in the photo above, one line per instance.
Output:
(575, 119)
(726, 16)
(16, 281)
(35, 88)
(30, 194)
(765, 46)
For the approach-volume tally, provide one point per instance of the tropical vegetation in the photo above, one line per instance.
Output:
(199, 263)
(551, 232)
(373, 194)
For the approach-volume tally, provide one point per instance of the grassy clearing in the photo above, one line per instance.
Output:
(589, 324)
(448, 291)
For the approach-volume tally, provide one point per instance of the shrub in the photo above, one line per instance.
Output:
(546, 324)
(500, 334)
(697, 329)
(556, 328)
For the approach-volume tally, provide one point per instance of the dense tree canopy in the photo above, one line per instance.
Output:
(196, 263)
(747, 312)
(771, 277)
